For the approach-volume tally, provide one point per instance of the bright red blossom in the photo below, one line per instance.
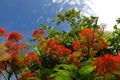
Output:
(106, 64)
(72, 57)
(99, 44)
(36, 34)
(59, 49)
(3, 32)
(86, 32)
(31, 56)
(15, 36)
(14, 57)
(23, 46)
(8, 44)
(27, 75)
(52, 42)
(76, 45)
(41, 31)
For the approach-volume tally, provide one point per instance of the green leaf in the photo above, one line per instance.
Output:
(64, 72)
(66, 67)
(86, 69)
(61, 75)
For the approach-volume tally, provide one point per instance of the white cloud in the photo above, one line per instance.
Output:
(107, 10)
(71, 2)
(57, 1)
(74, 2)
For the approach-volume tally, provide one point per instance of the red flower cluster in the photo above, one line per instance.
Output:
(74, 58)
(15, 48)
(90, 42)
(23, 46)
(27, 75)
(87, 36)
(99, 44)
(52, 42)
(53, 46)
(3, 32)
(86, 32)
(31, 56)
(36, 34)
(60, 50)
(15, 37)
(106, 64)
(76, 45)
(12, 54)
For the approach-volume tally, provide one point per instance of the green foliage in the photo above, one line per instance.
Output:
(44, 73)
(110, 77)
(118, 20)
(74, 18)
(60, 69)
(64, 72)
(86, 70)
(115, 40)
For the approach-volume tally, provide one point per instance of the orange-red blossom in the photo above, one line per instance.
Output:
(107, 64)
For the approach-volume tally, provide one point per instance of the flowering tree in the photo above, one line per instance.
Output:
(13, 58)
(61, 55)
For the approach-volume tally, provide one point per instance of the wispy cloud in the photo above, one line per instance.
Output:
(79, 4)
(57, 1)
(70, 2)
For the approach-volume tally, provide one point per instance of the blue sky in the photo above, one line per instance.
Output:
(25, 15)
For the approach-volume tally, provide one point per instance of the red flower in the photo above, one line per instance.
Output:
(14, 57)
(3, 32)
(86, 32)
(41, 31)
(41, 42)
(27, 75)
(60, 50)
(36, 34)
(117, 60)
(105, 64)
(72, 57)
(66, 50)
(14, 48)
(99, 44)
(23, 46)
(118, 53)
(52, 42)
(31, 56)
(76, 45)
(87, 36)
(8, 44)
(15, 36)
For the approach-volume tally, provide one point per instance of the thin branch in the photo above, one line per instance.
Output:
(9, 76)
(3, 75)
(5, 67)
